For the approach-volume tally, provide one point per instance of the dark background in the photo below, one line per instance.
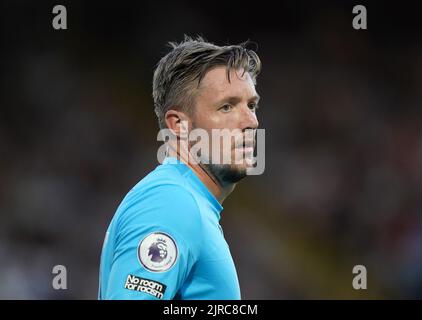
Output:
(341, 109)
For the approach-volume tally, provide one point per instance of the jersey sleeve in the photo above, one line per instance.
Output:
(157, 243)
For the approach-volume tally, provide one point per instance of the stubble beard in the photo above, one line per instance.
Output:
(225, 174)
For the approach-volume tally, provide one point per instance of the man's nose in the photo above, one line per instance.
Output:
(248, 119)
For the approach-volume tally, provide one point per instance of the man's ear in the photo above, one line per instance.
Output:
(176, 121)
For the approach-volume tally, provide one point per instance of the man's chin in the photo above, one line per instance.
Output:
(228, 173)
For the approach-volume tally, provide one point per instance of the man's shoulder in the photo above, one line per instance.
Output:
(163, 189)
(162, 177)
(160, 201)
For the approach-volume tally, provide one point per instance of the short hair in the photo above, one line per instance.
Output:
(187, 63)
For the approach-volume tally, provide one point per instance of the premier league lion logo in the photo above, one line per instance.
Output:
(158, 250)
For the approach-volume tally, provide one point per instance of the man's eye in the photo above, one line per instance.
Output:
(226, 108)
(253, 106)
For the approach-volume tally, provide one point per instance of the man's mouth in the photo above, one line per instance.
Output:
(247, 147)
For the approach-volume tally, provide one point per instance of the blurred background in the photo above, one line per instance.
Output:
(343, 119)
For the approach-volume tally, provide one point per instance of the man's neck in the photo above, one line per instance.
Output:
(208, 179)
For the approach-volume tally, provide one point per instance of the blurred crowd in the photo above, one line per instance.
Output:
(343, 119)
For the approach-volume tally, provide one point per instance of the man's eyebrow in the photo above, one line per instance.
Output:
(230, 99)
(235, 99)
(255, 98)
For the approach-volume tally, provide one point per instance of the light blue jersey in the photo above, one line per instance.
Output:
(165, 241)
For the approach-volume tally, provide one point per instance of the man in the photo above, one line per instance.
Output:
(165, 240)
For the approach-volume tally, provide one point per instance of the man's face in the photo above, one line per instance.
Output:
(220, 104)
